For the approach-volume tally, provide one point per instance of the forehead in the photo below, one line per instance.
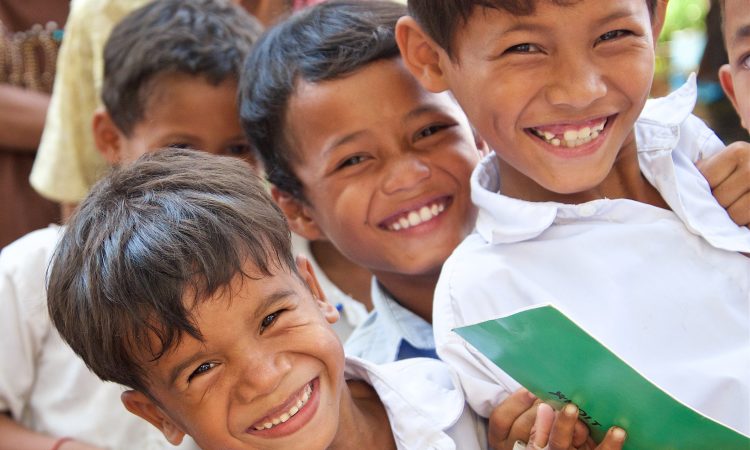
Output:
(736, 22)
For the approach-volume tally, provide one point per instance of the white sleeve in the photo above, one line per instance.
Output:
(483, 383)
(24, 321)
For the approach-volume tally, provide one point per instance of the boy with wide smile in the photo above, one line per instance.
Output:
(176, 279)
(591, 200)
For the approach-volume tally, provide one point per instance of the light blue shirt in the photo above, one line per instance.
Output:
(391, 332)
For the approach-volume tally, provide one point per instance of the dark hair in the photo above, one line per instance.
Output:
(151, 240)
(324, 42)
(208, 38)
(440, 19)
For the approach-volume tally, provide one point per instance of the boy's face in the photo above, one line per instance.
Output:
(267, 374)
(735, 76)
(182, 111)
(385, 167)
(555, 93)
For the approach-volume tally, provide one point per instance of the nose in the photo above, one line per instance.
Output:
(406, 171)
(576, 82)
(260, 374)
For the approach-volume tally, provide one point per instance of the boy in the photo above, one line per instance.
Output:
(735, 79)
(580, 207)
(176, 278)
(154, 97)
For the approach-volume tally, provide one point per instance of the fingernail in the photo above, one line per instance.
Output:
(618, 434)
(570, 410)
(519, 445)
(531, 395)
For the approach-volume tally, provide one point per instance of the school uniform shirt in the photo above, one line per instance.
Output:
(44, 385)
(391, 332)
(351, 312)
(667, 291)
(425, 406)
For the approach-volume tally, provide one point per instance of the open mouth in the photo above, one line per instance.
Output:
(571, 136)
(288, 411)
(417, 216)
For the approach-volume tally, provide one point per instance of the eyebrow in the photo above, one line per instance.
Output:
(524, 26)
(742, 33)
(265, 303)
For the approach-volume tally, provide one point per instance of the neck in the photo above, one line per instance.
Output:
(363, 421)
(413, 292)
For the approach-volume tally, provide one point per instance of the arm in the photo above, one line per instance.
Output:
(16, 436)
(22, 114)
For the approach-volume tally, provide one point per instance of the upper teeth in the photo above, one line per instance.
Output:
(572, 138)
(288, 414)
(414, 218)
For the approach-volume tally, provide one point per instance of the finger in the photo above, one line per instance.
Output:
(740, 211)
(734, 187)
(517, 409)
(545, 417)
(720, 166)
(580, 434)
(613, 440)
(561, 435)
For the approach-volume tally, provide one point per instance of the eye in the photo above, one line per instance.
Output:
(745, 61)
(180, 145)
(524, 48)
(203, 368)
(351, 161)
(614, 34)
(238, 150)
(269, 320)
(430, 130)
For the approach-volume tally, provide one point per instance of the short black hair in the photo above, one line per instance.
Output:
(207, 38)
(151, 239)
(324, 42)
(440, 19)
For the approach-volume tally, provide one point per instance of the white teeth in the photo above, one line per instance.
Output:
(572, 138)
(414, 218)
(289, 414)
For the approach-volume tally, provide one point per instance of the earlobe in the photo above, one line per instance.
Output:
(297, 214)
(727, 83)
(107, 137)
(307, 273)
(142, 406)
(421, 55)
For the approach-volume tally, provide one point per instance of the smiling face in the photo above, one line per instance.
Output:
(555, 93)
(182, 111)
(735, 76)
(385, 167)
(268, 372)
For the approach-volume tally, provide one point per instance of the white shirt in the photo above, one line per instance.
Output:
(351, 312)
(391, 332)
(666, 290)
(43, 384)
(425, 407)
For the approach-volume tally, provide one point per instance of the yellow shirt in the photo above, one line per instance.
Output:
(67, 162)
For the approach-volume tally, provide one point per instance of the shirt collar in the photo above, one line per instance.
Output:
(399, 322)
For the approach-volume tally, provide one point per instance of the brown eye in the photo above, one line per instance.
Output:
(269, 320)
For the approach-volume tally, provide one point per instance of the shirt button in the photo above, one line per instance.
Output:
(586, 210)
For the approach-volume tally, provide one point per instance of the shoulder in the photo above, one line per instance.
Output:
(32, 251)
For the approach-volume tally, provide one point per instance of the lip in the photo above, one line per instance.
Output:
(296, 422)
(445, 200)
(581, 150)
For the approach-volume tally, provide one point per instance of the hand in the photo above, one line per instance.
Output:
(728, 174)
(513, 419)
(555, 431)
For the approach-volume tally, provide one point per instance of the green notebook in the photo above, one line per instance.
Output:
(559, 362)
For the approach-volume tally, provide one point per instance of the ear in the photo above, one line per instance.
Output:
(421, 55)
(481, 144)
(305, 269)
(660, 14)
(297, 214)
(107, 137)
(727, 83)
(142, 406)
